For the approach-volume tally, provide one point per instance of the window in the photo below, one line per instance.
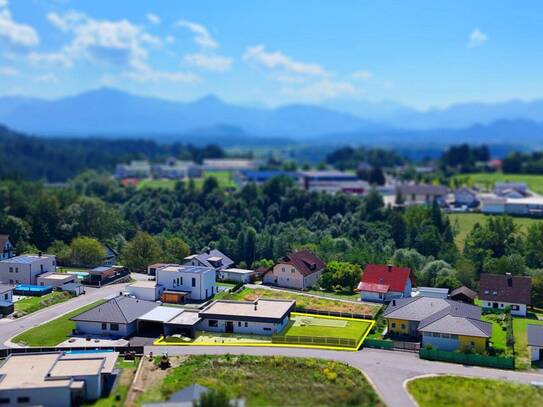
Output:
(266, 329)
(6, 296)
(193, 282)
(213, 323)
(11, 269)
(16, 269)
(11, 282)
(180, 281)
(5, 400)
(104, 326)
(393, 325)
(515, 307)
(454, 336)
(402, 326)
(472, 343)
(41, 267)
(283, 269)
(239, 323)
(486, 291)
(246, 324)
(114, 327)
(292, 270)
(435, 334)
(501, 305)
(23, 399)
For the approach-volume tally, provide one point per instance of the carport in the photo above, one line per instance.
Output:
(152, 323)
(535, 341)
(184, 324)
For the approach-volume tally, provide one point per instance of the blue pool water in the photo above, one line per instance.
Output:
(82, 352)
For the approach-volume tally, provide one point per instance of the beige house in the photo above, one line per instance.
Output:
(300, 270)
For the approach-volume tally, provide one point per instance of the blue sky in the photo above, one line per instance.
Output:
(419, 53)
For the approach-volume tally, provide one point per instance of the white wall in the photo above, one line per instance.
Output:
(7, 296)
(46, 397)
(53, 282)
(502, 305)
(146, 293)
(95, 328)
(255, 328)
(371, 296)
(284, 275)
(203, 281)
(25, 273)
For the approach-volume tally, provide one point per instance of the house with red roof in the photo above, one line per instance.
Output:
(299, 269)
(384, 282)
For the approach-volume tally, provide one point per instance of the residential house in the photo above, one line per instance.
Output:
(535, 341)
(237, 275)
(333, 182)
(212, 258)
(433, 292)
(55, 379)
(136, 169)
(463, 294)
(444, 324)
(55, 280)
(182, 283)
(111, 256)
(506, 188)
(465, 197)
(114, 318)
(261, 317)
(104, 275)
(7, 249)
(25, 269)
(6, 300)
(422, 194)
(299, 269)
(382, 282)
(145, 290)
(245, 177)
(499, 291)
(229, 164)
(176, 170)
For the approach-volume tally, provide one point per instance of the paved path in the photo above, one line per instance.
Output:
(388, 370)
(16, 326)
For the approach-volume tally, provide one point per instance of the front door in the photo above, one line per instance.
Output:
(229, 327)
(495, 305)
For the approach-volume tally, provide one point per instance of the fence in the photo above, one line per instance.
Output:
(333, 313)
(121, 349)
(315, 340)
(468, 359)
(379, 344)
(407, 346)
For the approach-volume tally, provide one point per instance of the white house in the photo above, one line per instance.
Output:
(25, 269)
(55, 280)
(145, 290)
(237, 275)
(186, 282)
(535, 341)
(300, 270)
(499, 292)
(210, 258)
(7, 249)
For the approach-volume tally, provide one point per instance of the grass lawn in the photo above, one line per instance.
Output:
(499, 335)
(156, 183)
(324, 327)
(268, 381)
(72, 270)
(522, 353)
(449, 391)
(33, 304)
(486, 181)
(464, 223)
(304, 301)
(340, 295)
(224, 178)
(53, 332)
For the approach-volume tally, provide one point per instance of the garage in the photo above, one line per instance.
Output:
(152, 323)
(183, 324)
(535, 341)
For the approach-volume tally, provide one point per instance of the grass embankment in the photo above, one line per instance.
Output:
(486, 181)
(341, 295)
(32, 304)
(522, 353)
(268, 381)
(449, 391)
(305, 302)
(118, 395)
(499, 330)
(53, 332)
(464, 223)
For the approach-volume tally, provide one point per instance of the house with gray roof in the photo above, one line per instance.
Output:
(6, 300)
(442, 323)
(115, 318)
(535, 341)
(210, 258)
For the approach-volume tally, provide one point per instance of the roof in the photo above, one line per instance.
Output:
(458, 325)
(119, 310)
(304, 261)
(373, 288)
(266, 174)
(27, 258)
(324, 175)
(435, 290)
(187, 318)
(535, 335)
(238, 271)
(463, 291)
(423, 189)
(506, 288)
(213, 255)
(258, 310)
(101, 269)
(161, 314)
(186, 269)
(143, 284)
(57, 276)
(4, 288)
(395, 277)
(75, 367)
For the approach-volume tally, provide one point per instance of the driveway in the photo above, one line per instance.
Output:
(387, 370)
(16, 326)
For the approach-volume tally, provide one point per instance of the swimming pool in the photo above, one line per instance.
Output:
(82, 352)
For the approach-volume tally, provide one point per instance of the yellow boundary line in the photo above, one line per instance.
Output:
(161, 342)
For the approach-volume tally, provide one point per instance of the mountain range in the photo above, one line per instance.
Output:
(115, 113)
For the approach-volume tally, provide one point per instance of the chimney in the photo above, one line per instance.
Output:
(393, 303)
(39, 254)
(256, 305)
(389, 268)
(509, 279)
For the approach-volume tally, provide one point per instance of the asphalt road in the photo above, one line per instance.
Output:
(387, 370)
(15, 327)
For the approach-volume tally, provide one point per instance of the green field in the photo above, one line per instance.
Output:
(304, 301)
(499, 335)
(464, 222)
(33, 304)
(522, 353)
(270, 381)
(157, 183)
(449, 391)
(324, 327)
(53, 332)
(486, 181)
(224, 178)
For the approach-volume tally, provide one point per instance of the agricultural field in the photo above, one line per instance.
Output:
(464, 223)
(267, 381)
(450, 391)
(486, 181)
(305, 301)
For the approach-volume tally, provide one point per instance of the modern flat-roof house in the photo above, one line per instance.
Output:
(145, 290)
(463, 294)
(261, 317)
(210, 258)
(535, 341)
(7, 249)
(6, 300)
(55, 280)
(114, 318)
(237, 275)
(499, 291)
(182, 283)
(299, 269)
(384, 282)
(433, 292)
(26, 268)
(422, 194)
(54, 379)
(443, 324)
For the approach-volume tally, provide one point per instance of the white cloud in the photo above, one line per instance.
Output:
(208, 62)
(362, 75)
(322, 89)
(148, 74)
(8, 71)
(202, 37)
(15, 33)
(153, 18)
(277, 60)
(48, 78)
(170, 39)
(476, 38)
(49, 58)
(3, 3)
